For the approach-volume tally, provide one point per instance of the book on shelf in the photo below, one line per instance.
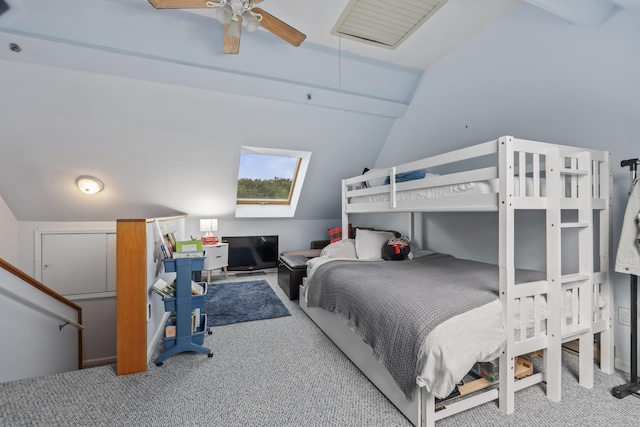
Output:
(164, 245)
(166, 252)
(170, 331)
(169, 251)
(189, 254)
(189, 245)
(195, 320)
(196, 288)
(164, 289)
(171, 239)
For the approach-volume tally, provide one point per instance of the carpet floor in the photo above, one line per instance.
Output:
(277, 372)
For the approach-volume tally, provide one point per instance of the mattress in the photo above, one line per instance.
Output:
(465, 188)
(452, 348)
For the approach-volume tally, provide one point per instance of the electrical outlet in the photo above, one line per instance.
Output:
(624, 316)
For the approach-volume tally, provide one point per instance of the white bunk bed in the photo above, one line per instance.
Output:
(572, 186)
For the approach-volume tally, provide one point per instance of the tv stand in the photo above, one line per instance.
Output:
(250, 273)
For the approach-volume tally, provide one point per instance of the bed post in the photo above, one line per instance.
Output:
(507, 271)
(417, 229)
(426, 408)
(553, 350)
(606, 231)
(345, 216)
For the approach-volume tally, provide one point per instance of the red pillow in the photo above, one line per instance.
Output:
(335, 234)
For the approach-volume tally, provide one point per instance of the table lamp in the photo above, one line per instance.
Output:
(208, 226)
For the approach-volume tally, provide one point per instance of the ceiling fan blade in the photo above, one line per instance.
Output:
(180, 4)
(3, 7)
(279, 28)
(231, 44)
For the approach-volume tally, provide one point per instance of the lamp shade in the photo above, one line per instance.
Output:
(251, 21)
(208, 225)
(224, 14)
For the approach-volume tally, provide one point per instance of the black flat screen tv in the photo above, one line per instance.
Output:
(247, 253)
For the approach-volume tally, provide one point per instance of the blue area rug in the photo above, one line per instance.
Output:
(227, 303)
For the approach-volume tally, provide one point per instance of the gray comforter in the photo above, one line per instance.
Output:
(394, 305)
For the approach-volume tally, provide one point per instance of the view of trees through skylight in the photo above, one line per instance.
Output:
(266, 178)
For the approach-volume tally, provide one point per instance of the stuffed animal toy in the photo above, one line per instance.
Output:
(396, 249)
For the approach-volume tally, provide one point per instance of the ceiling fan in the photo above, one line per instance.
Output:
(3, 7)
(233, 13)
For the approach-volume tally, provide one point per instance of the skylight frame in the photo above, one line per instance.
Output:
(274, 209)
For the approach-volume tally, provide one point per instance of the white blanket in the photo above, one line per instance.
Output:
(452, 348)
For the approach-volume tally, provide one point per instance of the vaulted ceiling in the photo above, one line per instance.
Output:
(144, 99)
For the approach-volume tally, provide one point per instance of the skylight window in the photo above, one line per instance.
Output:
(266, 178)
(270, 181)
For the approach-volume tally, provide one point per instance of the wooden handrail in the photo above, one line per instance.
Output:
(41, 308)
(42, 288)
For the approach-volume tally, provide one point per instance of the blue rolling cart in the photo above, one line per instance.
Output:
(187, 337)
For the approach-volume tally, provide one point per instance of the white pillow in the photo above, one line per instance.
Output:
(374, 182)
(369, 243)
(340, 249)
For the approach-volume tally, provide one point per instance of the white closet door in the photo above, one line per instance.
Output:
(111, 262)
(75, 264)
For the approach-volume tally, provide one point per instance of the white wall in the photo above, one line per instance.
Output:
(535, 76)
(99, 313)
(293, 234)
(36, 345)
(9, 233)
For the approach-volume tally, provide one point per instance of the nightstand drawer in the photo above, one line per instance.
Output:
(217, 256)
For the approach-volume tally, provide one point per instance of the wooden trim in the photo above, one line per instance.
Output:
(160, 218)
(131, 298)
(42, 288)
(263, 202)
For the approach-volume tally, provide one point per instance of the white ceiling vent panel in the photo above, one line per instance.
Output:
(385, 23)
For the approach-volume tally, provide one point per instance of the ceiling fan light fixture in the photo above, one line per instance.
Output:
(251, 21)
(224, 14)
(239, 6)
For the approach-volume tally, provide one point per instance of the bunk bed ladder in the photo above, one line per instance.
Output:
(569, 196)
(580, 284)
(569, 186)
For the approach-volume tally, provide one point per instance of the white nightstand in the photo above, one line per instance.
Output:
(217, 257)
